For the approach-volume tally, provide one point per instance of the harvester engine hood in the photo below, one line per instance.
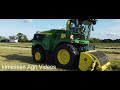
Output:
(93, 60)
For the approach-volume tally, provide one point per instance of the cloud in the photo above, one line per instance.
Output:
(116, 20)
(107, 35)
(28, 20)
(48, 27)
(113, 31)
(111, 35)
(107, 29)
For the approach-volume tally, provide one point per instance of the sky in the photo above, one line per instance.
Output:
(104, 29)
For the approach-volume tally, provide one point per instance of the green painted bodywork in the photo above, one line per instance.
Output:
(54, 37)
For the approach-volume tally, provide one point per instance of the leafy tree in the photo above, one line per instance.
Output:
(95, 40)
(0, 38)
(13, 37)
(22, 37)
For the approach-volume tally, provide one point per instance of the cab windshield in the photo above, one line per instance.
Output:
(86, 29)
(83, 30)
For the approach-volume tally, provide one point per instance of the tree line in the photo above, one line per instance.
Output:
(20, 37)
(23, 38)
(97, 40)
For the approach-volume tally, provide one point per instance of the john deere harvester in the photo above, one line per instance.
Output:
(70, 47)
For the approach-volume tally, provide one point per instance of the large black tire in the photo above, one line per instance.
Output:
(73, 56)
(38, 51)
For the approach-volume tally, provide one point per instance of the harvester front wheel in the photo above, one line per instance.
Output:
(38, 55)
(65, 56)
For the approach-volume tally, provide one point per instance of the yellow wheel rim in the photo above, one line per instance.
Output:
(37, 56)
(63, 56)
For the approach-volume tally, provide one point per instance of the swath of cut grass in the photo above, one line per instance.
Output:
(18, 57)
(106, 45)
(115, 64)
(110, 51)
(22, 45)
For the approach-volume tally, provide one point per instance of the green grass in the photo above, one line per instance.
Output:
(20, 59)
(22, 45)
(110, 51)
(19, 54)
(113, 52)
(115, 64)
(108, 48)
(107, 45)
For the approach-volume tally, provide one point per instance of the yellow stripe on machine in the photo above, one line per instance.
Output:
(104, 67)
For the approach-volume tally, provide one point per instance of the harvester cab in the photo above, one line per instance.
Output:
(83, 27)
(70, 47)
(81, 30)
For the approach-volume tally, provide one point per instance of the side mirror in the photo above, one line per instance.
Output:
(94, 47)
(92, 28)
(94, 21)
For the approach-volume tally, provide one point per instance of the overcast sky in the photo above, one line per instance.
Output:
(104, 29)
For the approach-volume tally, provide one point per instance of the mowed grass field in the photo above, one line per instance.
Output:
(112, 50)
(17, 57)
